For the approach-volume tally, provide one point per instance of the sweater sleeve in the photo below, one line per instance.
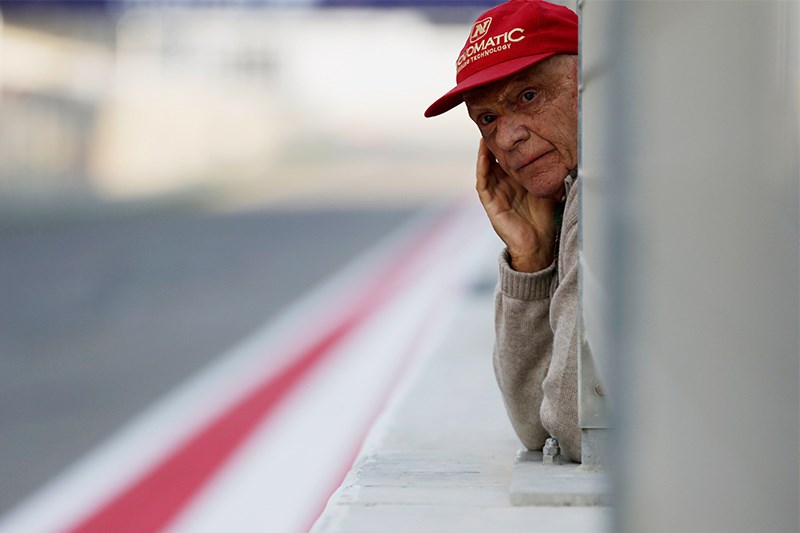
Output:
(559, 409)
(523, 346)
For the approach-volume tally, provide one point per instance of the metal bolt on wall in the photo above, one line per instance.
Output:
(551, 453)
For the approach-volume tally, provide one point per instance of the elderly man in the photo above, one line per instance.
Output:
(518, 75)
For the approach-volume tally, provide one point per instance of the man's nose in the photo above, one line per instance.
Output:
(510, 132)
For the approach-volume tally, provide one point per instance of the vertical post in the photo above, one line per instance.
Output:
(691, 242)
(594, 417)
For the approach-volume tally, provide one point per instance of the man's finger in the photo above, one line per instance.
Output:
(484, 159)
(482, 168)
(485, 180)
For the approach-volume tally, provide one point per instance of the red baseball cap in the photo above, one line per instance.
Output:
(508, 39)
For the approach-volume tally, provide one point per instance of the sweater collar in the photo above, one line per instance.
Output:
(569, 181)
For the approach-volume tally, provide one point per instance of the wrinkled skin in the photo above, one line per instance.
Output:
(529, 125)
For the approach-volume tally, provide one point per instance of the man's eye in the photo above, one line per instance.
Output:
(528, 96)
(483, 120)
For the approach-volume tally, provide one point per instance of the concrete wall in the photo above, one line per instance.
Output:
(690, 220)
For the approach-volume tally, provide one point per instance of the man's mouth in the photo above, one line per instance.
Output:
(531, 161)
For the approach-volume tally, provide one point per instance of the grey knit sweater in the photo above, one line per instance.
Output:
(536, 348)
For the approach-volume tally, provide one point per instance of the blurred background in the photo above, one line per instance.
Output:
(226, 103)
(174, 173)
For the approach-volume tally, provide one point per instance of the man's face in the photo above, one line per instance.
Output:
(530, 123)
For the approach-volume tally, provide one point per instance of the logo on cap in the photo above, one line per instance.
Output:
(479, 29)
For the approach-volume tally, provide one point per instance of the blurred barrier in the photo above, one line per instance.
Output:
(227, 103)
(57, 128)
(49, 103)
(691, 259)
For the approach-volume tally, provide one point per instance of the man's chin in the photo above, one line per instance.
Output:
(546, 186)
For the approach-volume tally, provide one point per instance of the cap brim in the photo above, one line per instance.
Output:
(488, 75)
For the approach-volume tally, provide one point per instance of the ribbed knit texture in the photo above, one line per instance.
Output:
(535, 356)
(524, 285)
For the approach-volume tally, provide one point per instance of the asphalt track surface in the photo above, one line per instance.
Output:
(100, 317)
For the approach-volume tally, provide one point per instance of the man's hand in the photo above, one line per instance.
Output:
(524, 222)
